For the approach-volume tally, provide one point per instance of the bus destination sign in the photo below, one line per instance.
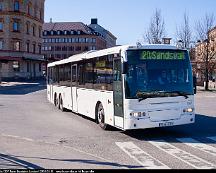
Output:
(162, 55)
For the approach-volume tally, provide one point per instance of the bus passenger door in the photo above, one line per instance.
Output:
(118, 94)
(74, 87)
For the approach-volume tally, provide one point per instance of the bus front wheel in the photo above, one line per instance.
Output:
(101, 117)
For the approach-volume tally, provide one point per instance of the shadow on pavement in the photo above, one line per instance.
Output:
(91, 162)
(12, 162)
(23, 89)
(204, 127)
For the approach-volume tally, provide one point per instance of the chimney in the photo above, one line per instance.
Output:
(51, 20)
(94, 21)
(166, 40)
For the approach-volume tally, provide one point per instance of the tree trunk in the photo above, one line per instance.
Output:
(206, 80)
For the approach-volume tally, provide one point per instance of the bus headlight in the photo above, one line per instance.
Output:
(188, 110)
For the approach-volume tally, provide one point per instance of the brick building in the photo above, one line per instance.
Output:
(64, 39)
(198, 55)
(21, 24)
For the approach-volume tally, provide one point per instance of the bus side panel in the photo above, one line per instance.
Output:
(49, 93)
(67, 100)
(87, 100)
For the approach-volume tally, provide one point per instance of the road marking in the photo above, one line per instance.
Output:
(184, 156)
(212, 138)
(64, 146)
(140, 156)
(198, 145)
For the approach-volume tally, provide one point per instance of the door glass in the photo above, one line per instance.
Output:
(117, 84)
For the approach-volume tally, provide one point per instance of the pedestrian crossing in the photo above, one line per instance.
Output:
(188, 151)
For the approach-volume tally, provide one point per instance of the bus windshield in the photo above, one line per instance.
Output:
(158, 73)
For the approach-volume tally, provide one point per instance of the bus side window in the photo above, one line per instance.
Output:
(81, 81)
(74, 75)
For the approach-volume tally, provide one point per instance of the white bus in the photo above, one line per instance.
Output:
(127, 87)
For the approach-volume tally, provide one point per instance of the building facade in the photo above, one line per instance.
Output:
(200, 61)
(21, 24)
(64, 39)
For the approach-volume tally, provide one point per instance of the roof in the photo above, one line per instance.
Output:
(109, 51)
(76, 26)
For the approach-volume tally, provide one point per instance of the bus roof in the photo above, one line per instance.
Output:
(109, 51)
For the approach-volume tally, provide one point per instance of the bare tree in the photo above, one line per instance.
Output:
(184, 32)
(156, 30)
(206, 53)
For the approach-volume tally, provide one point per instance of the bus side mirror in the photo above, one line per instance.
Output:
(125, 68)
(195, 84)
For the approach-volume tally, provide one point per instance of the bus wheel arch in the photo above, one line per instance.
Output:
(100, 116)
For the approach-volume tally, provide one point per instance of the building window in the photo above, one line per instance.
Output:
(28, 67)
(27, 28)
(16, 66)
(39, 32)
(40, 13)
(52, 32)
(65, 32)
(27, 47)
(58, 32)
(33, 30)
(1, 26)
(16, 6)
(39, 67)
(39, 49)
(16, 26)
(1, 44)
(78, 32)
(45, 33)
(29, 9)
(33, 48)
(1, 6)
(16, 46)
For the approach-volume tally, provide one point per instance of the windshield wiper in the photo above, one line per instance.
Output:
(145, 95)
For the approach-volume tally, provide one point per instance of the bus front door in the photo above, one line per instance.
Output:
(118, 94)
(74, 88)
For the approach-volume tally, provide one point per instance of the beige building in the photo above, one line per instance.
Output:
(198, 55)
(21, 24)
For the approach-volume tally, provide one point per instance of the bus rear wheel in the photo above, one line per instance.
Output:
(61, 104)
(101, 117)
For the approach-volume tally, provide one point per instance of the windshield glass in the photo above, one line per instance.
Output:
(158, 73)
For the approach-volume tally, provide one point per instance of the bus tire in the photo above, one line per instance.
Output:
(61, 107)
(55, 100)
(101, 117)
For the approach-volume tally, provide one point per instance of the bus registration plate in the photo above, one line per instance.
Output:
(167, 124)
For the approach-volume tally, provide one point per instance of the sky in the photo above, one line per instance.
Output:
(129, 19)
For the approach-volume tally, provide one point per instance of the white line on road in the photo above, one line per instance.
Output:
(140, 156)
(198, 145)
(184, 156)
